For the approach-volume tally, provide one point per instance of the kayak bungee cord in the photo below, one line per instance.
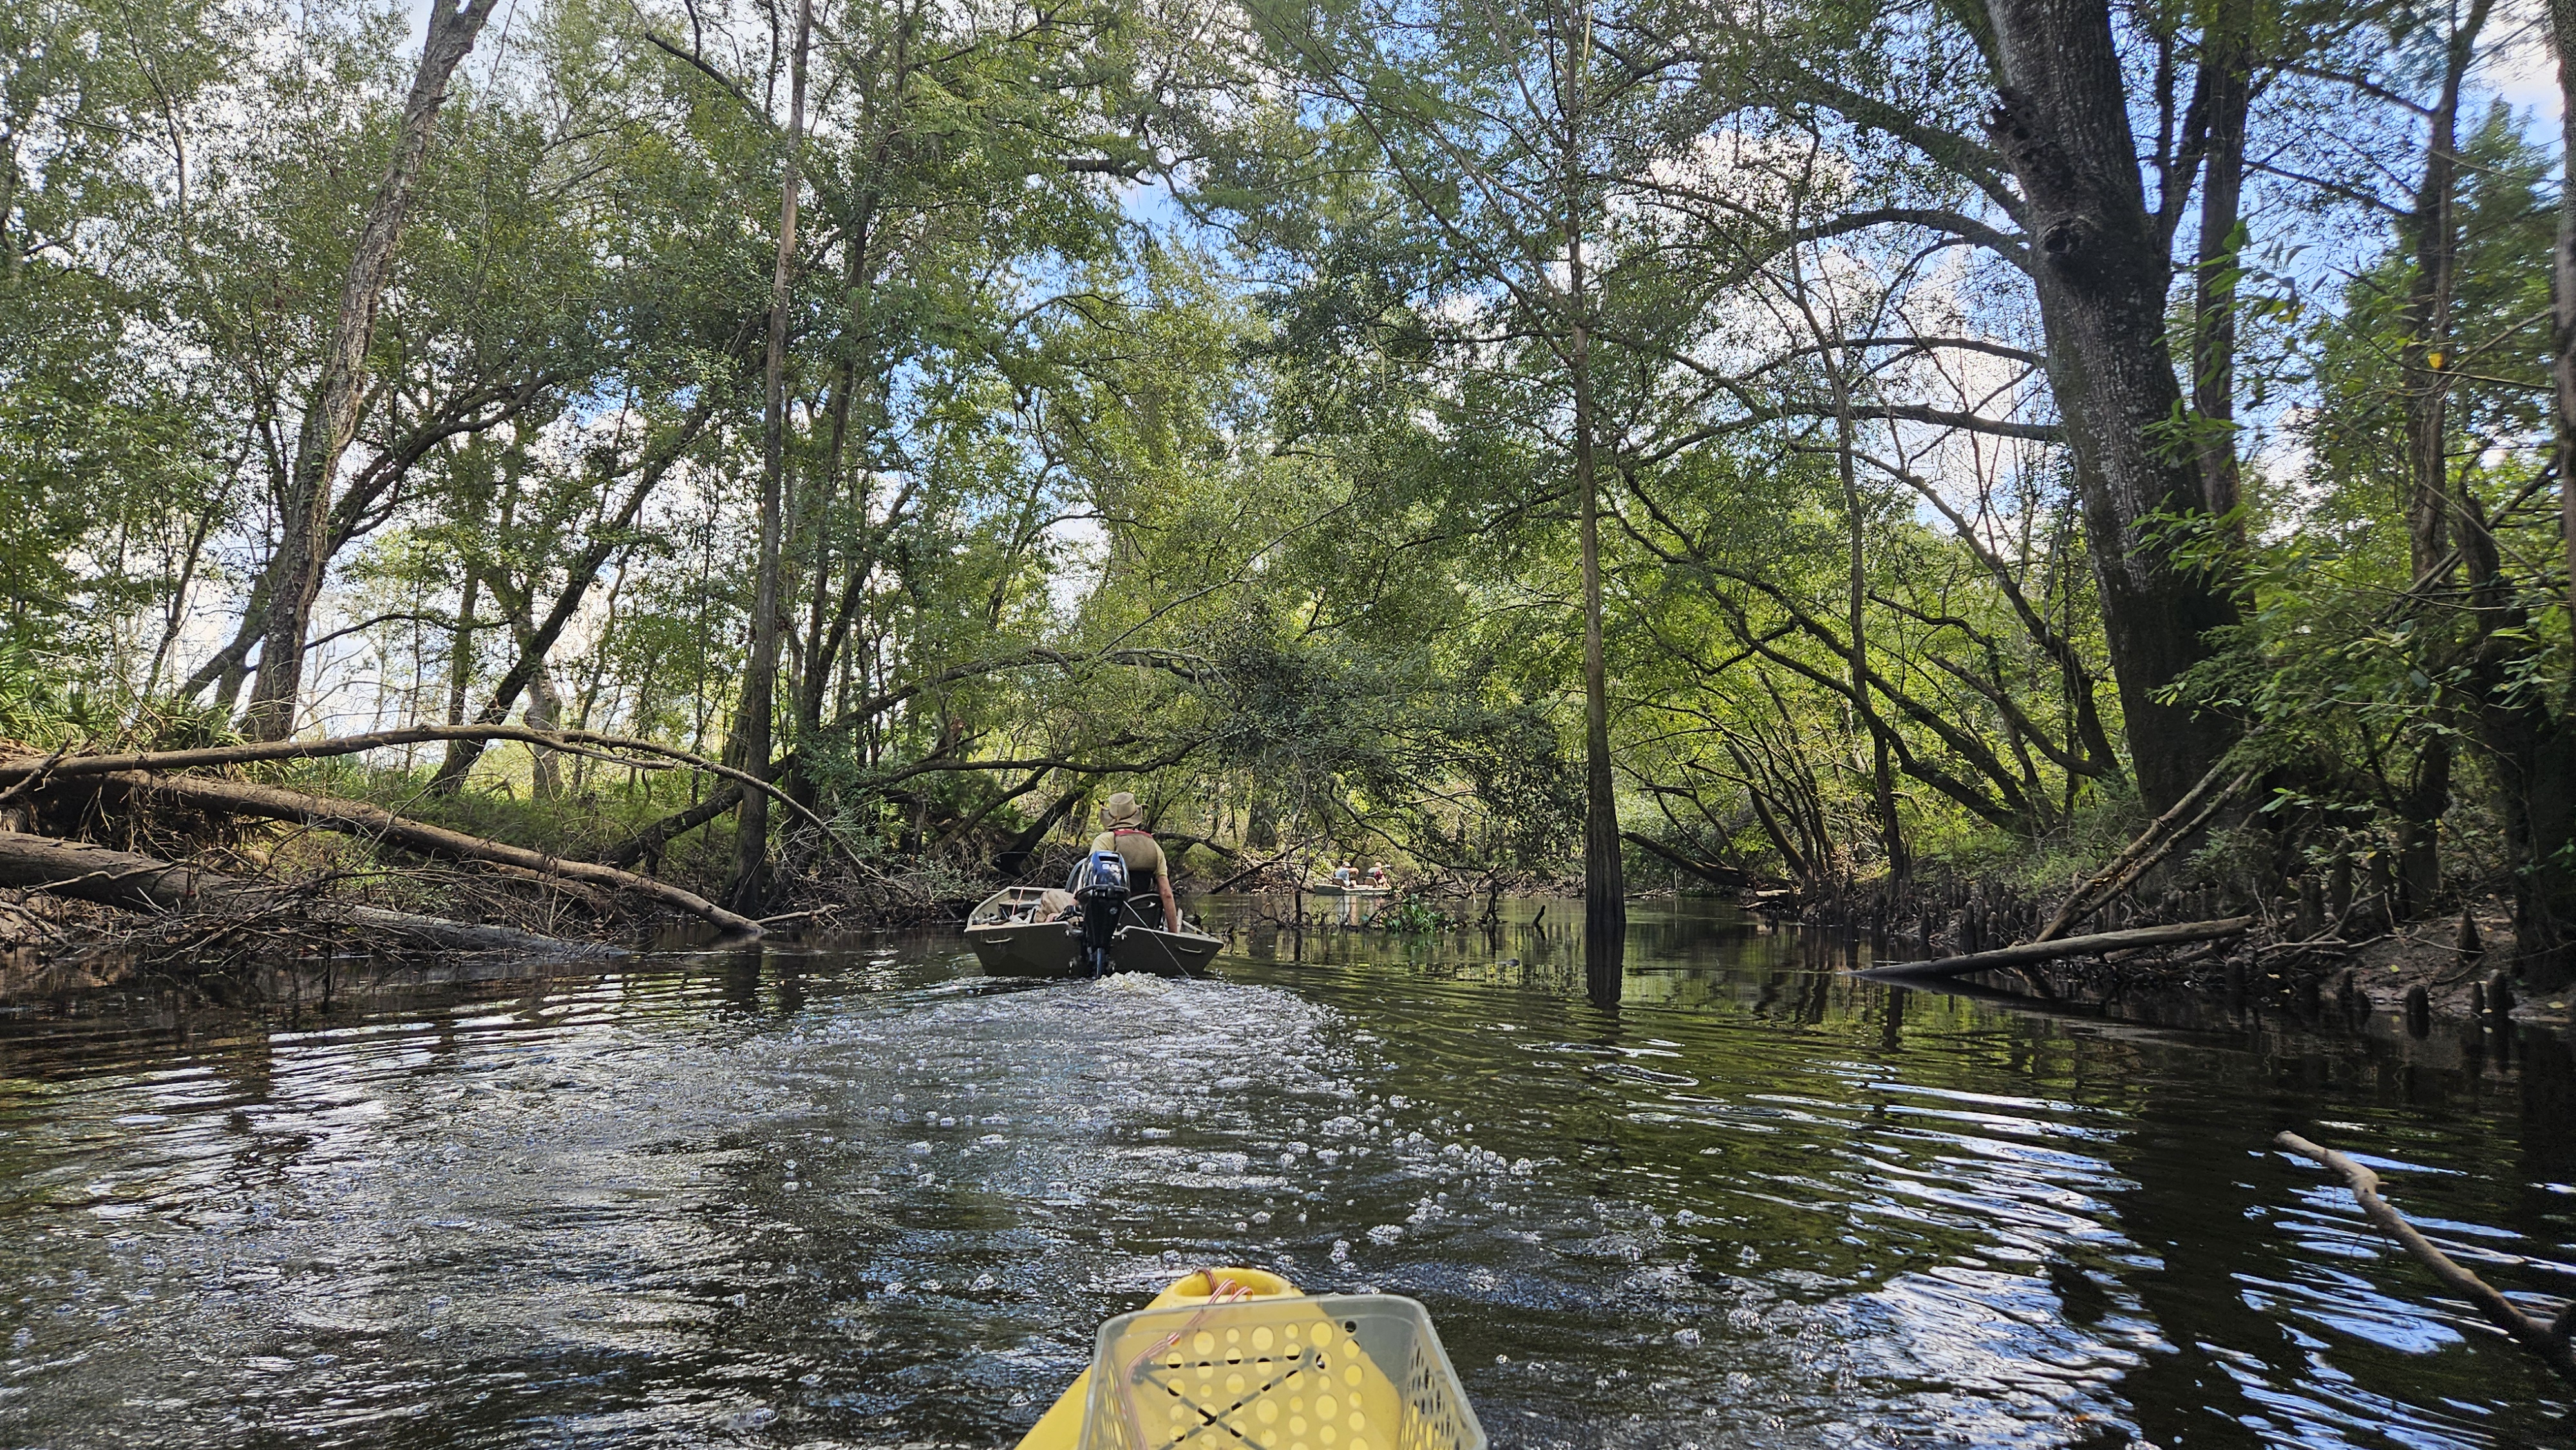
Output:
(1226, 1291)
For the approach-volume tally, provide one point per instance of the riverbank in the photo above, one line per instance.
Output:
(2419, 973)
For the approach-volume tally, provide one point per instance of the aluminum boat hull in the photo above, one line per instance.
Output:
(1050, 949)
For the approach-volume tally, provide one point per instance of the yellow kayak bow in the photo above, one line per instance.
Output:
(1238, 1358)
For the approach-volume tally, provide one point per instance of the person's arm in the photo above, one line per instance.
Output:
(1171, 908)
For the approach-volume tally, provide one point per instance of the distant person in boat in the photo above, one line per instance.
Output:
(1149, 876)
(1344, 876)
(1377, 876)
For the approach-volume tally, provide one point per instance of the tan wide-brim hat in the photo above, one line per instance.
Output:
(1121, 810)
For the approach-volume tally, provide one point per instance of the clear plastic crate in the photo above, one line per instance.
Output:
(1319, 1372)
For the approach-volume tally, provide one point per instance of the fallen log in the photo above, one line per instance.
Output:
(2549, 1341)
(2072, 946)
(108, 877)
(356, 818)
(2153, 844)
(60, 765)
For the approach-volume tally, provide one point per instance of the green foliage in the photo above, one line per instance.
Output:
(1183, 399)
(1413, 916)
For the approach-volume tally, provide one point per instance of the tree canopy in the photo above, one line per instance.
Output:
(1816, 443)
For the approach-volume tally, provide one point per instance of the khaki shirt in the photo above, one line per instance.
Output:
(1144, 859)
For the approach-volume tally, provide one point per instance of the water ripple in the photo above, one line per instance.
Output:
(872, 1197)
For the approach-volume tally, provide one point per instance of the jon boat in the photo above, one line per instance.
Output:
(1329, 889)
(1011, 939)
(1239, 1358)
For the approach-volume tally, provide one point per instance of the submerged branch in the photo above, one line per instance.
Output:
(2549, 1341)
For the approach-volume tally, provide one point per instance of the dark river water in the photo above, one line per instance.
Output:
(862, 1195)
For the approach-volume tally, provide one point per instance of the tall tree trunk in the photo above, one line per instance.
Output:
(2228, 62)
(816, 685)
(2103, 273)
(460, 647)
(750, 883)
(1891, 832)
(2562, 32)
(2433, 232)
(545, 709)
(473, 505)
(822, 639)
(1605, 899)
(2529, 737)
(331, 419)
(1605, 896)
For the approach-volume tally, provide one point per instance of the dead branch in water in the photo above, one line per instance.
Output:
(2153, 844)
(2549, 1341)
(85, 872)
(2073, 946)
(376, 823)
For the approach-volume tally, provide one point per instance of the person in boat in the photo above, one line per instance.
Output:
(1149, 876)
(1344, 876)
(1377, 876)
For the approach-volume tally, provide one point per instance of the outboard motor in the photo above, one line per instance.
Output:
(1100, 884)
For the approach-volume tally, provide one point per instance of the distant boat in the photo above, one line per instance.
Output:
(1012, 938)
(1329, 889)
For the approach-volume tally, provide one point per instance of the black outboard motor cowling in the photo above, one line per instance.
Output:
(1100, 884)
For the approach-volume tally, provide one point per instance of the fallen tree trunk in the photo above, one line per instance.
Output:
(568, 741)
(85, 872)
(376, 823)
(2072, 946)
(255, 752)
(2153, 844)
(1016, 857)
(2549, 1341)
